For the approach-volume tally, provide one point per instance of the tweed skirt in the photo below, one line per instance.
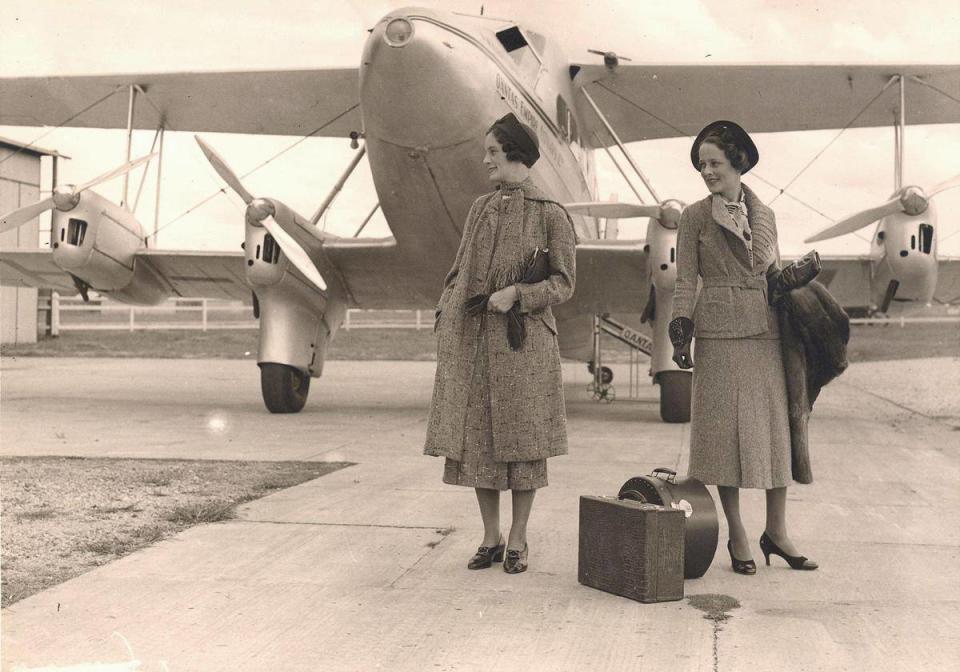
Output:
(740, 431)
(478, 469)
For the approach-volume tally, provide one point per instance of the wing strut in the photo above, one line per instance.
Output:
(338, 186)
(616, 139)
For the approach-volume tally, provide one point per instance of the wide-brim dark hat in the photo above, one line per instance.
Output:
(739, 136)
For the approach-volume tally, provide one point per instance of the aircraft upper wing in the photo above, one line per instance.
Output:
(612, 277)
(948, 280)
(643, 102)
(282, 102)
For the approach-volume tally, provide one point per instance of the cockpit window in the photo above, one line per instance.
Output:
(523, 54)
(512, 39)
(76, 230)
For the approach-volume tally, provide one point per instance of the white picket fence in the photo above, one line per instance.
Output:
(73, 314)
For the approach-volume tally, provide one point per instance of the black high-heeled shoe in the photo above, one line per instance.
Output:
(746, 567)
(487, 555)
(516, 561)
(795, 561)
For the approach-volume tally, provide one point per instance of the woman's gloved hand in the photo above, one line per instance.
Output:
(681, 335)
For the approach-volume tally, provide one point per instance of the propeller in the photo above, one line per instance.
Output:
(911, 200)
(262, 212)
(610, 58)
(667, 212)
(64, 198)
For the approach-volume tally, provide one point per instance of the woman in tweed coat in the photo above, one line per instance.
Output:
(740, 432)
(498, 413)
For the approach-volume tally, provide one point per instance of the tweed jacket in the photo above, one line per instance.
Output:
(732, 301)
(528, 419)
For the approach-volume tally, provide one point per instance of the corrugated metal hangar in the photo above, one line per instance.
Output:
(20, 180)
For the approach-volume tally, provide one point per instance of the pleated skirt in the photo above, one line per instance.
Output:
(478, 469)
(740, 431)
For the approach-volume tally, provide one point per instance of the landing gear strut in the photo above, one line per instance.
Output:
(284, 388)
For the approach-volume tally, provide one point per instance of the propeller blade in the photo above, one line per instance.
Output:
(296, 254)
(613, 209)
(943, 186)
(224, 171)
(21, 216)
(857, 221)
(116, 172)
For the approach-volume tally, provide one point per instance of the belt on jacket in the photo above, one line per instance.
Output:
(750, 282)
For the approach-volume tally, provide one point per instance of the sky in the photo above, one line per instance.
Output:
(49, 37)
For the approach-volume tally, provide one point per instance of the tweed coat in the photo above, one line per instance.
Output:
(528, 417)
(732, 301)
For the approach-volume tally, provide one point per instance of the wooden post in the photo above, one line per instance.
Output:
(131, 318)
(203, 309)
(55, 314)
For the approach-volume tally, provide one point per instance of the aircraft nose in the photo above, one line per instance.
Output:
(417, 84)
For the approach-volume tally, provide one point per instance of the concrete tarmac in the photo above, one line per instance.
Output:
(364, 569)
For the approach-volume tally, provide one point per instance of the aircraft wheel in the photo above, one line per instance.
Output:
(284, 388)
(606, 375)
(675, 395)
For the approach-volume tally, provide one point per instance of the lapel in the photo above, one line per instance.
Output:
(762, 230)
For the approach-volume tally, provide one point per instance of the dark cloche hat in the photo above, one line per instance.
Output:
(732, 132)
(520, 134)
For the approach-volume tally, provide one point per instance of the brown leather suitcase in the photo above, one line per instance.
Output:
(631, 548)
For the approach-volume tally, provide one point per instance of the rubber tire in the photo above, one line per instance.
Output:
(606, 375)
(675, 395)
(284, 388)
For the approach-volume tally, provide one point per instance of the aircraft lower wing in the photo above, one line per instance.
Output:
(948, 280)
(847, 278)
(280, 102)
(209, 275)
(643, 102)
(200, 275)
(612, 277)
(34, 268)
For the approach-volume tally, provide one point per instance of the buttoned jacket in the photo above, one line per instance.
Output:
(712, 255)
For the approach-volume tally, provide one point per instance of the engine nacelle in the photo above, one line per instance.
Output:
(662, 255)
(97, 242)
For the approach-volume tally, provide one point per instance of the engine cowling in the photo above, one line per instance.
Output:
(97, 242)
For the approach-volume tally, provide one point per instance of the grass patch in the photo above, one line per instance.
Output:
(867, 343)
(63, 516)
(202, 512)
(353, 345)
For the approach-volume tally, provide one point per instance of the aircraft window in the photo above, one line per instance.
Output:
(926, 238)
(537, 41)
(673, 255)
(562, 116)
(63, 234)
(913, 242)
(76, 230)
(271, 251)
(257, 255)
(512, 39)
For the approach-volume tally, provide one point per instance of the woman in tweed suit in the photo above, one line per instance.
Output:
(740, 432)
(498, 413)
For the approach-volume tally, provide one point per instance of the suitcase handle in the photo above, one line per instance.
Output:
(671, 475)
(634, 495)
